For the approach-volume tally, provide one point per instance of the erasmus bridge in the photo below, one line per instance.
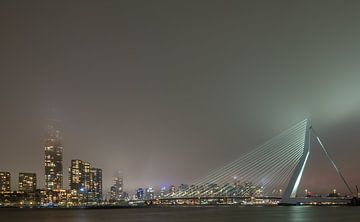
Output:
(272, 170)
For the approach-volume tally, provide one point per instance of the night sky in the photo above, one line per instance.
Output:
(167, 90)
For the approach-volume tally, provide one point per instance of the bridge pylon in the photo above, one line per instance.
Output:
(289, 196)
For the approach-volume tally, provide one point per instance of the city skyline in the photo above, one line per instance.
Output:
(268, 175)
(86, 180)
(165, 92)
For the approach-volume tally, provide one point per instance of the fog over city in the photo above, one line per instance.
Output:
(165, 91)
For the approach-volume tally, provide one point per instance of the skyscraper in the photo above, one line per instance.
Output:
(79, 176)
(162, 191)
(140, 193)
(149, 193)
(117, 189)
(96, 183)
(85, 180)
(172, 189)
(5, 185)
(27, 182)
(53, 157)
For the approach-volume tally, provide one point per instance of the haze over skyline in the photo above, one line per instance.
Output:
(167, 91)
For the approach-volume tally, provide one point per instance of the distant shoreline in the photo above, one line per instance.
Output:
(165, 206)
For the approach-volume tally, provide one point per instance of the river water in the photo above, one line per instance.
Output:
(174, 214)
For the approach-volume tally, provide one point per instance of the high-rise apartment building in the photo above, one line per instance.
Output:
(96, 183)
(5, 184)
(149, 193)
(117, 189)
(79, 176)
(85, 180)
(140, 194)
(27, 182)
(53, 157)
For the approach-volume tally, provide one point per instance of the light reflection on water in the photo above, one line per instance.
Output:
(175, 214)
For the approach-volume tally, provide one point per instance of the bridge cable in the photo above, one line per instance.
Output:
(331, 161)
